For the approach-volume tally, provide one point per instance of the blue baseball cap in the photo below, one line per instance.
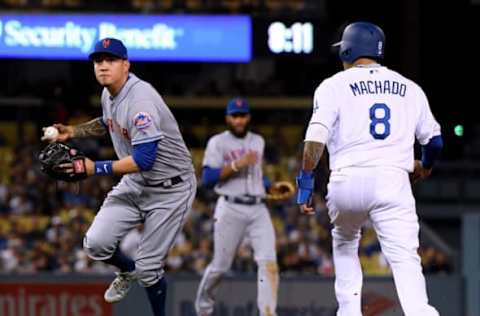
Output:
(111, 46)
(237, 105)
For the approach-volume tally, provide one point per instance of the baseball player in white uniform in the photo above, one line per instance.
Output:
(368, 116)
(233, 164)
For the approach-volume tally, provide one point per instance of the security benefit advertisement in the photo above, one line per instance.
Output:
(148, 38)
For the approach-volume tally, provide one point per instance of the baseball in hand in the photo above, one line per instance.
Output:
(50, 133)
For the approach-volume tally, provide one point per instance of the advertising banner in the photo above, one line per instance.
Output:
(82, 295)
(300, 298)
(215, 38)
(53, 299)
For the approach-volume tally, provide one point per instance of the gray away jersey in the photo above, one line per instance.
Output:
(139, 115)
(222, 149)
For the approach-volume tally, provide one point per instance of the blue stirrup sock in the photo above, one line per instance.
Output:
(121, 261)
(157, 295)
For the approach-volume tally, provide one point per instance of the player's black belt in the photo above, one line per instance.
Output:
(244, 199)
(166, 183)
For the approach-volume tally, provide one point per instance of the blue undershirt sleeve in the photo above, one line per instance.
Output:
(210, 176)
(144, 155)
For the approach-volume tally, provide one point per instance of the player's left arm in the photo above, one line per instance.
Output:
(142, 159)
(428, 134)
(144, 128)
(430, 155)
(144, 131)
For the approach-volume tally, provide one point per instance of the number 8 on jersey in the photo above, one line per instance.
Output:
(376, 121)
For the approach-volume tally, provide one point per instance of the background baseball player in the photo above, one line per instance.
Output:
(233, 163)
(158, 186)
(369, 116)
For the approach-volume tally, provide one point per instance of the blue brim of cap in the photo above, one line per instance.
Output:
(243, 111)
(106, 52)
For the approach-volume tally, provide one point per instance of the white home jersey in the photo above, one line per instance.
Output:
(373, 115)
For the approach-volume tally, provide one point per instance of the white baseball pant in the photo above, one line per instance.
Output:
(384, 196)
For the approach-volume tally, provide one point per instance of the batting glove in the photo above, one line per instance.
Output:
(305, 185)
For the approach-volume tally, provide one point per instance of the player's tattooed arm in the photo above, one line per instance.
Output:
(312, 152)
(93, 128)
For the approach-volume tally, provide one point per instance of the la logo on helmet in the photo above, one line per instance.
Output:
(380, 48)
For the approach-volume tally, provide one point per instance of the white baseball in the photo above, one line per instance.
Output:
(50, 133)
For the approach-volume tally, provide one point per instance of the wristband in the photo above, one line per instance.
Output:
(234, 166)
(103, 167)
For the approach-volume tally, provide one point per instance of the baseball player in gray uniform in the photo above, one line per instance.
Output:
(158, 184)
(233, 164)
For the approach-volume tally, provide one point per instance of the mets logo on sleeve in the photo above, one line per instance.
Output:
(142, 120)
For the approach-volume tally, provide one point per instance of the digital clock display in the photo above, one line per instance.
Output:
(296, 38)
(292, 38)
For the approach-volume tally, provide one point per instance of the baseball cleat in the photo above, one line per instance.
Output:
(119, 287)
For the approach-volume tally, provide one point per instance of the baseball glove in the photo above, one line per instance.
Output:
(55, 154)
(281, 191)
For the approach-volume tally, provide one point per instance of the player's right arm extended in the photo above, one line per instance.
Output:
(95, 128)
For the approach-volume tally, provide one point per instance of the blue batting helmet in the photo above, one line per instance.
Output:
(361, 39)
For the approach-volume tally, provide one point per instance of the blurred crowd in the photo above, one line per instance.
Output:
(42, 223)
(171, 6)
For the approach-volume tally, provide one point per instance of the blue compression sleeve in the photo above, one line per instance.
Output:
(210, 176)
(305, 185)
(431, 151)
(144, 155)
